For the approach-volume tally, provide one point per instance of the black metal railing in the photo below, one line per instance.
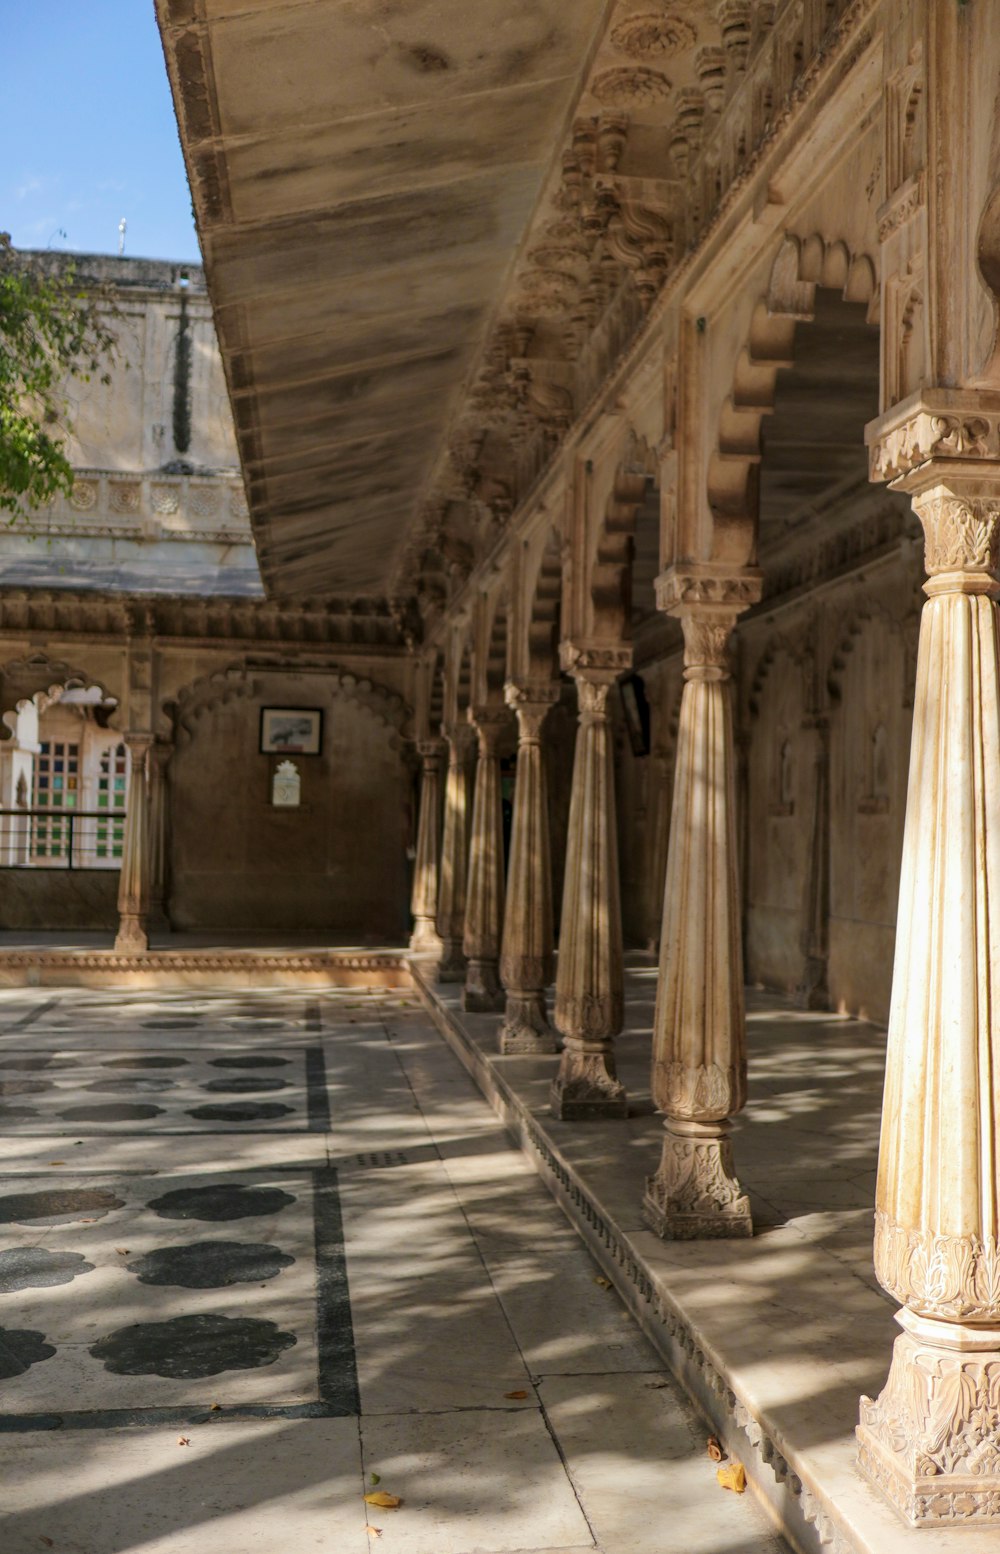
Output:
(60, 838)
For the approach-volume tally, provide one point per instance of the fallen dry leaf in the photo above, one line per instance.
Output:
(520, 1393)
(603, 1282)
(376, 1478)
(122, 1251)
(49, 1544)
(376, 1532)
(733, 1477)
(54, 1162)
(184, 1440)
(714, 1448)
(383, 1500)
(215, 1408)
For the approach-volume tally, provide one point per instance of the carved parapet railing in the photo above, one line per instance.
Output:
(150, 505)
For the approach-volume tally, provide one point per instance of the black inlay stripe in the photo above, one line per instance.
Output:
(318, 1100)
(338, 1370)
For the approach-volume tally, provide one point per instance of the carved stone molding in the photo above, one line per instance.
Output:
(956, 1278)
(906, 202)
(611, 659)
(630, 86)
(702, 1092)
(961, 425)
(653, 34)
(701, 583)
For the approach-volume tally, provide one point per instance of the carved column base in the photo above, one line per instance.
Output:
(451, 966)
(930, 1443)
(695, 1195)
(526, 1026)
(813, 992)
(483, 993)
(587, 1085)
(424, 939)
(132, 936)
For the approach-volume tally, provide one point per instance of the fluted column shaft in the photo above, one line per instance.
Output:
(134, 880)
(484, 902)
(590, 1004)
(157, 762)
(424, 900)
(454, 858)
(526, 953)
(699, 1045)
(813, 990)
(930, 1441)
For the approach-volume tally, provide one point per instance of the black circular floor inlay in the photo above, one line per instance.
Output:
(113, 1111)
(210, 1265)
(240, 1111)
(57, 1205)
(35, 1268)
(140, 1061)
(20, 1348)
(31, 1065)
(221, 1201)
(245, 1084)
(264, 1061)
(139, 1085)
(187, 1348)
(25, 1086)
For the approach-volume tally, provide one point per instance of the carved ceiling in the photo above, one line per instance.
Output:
(430, 231)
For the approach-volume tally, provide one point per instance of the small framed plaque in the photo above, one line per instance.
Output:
(291, 730)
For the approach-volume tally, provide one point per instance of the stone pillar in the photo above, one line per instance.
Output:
(590, 1000)
(659, 777)
(134, 881)
(813, 991)
(484, 902)
(454, 858)
(526, 954)
(699, 1035)
(157, 762)
(424, 900)
(931, 1441)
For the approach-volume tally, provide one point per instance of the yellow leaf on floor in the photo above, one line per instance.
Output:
(375, 1532)
(733, 1477)
(383, 1500)
(520, 1393)
(603, 1282)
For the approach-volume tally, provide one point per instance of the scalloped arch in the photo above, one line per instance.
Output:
(800, 265)
(611, 568)
(238, 681)
(25, 677)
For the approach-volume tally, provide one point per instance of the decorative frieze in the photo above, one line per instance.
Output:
(941, 424)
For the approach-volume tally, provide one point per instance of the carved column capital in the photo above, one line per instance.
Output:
(138, 741)
(431, 752)
(708, 587)
(531, 701)
(961, 523)
(489, 724)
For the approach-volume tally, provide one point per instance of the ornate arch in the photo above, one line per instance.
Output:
(733, 472)
(237, 681)
(611, 569)
(24, 678)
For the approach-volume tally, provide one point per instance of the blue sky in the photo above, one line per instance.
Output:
(91, 131)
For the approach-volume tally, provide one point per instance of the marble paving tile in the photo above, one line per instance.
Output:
(239, 1487)
(636, 1454)
(488, 1482)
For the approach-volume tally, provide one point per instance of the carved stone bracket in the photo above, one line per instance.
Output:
(957, 427)
(708, 585)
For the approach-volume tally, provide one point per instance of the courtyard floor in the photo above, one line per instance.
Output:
(264, 1253)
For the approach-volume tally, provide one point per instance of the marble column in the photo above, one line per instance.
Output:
(526, 952)
(454, 858)
(813, 991)
(424, 900)
(484, 901)
(158, 761)
(134, 880)
(590, 1001)
(931, 1441)
(659, 777)
(699, 1037)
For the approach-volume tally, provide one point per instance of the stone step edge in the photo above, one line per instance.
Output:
(798, 1507)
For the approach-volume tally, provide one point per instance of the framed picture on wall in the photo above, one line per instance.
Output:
(291, 730)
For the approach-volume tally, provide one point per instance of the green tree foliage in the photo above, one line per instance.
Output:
(51, 332)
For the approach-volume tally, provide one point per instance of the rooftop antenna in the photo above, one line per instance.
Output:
(122, 225)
